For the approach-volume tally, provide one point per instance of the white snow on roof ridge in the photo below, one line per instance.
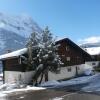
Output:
(14, 53)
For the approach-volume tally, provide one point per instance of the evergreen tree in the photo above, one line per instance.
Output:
(42, 53)
(33, 46)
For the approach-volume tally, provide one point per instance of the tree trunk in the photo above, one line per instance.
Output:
(46, 75)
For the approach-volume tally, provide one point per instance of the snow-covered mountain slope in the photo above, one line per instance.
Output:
(14, 31)
(10, 41)
(91, 48)
(22, 25)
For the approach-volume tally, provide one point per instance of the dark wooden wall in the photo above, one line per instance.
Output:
(14, 64)
(70, 55)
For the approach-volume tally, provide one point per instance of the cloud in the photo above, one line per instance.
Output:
(93, 39)
(2, 25)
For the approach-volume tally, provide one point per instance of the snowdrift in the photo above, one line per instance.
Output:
(85, 83)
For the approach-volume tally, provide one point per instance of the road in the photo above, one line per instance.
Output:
(52, 95)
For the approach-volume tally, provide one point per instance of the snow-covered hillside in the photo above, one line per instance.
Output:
(91, 47)
(93, 50)
(10, 41)
(14, 31)
(22, 25)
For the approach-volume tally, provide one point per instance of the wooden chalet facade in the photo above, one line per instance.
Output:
(71, 54)
(74, 59)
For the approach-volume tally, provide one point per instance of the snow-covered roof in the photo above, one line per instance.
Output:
(14, 53)
(93, 50)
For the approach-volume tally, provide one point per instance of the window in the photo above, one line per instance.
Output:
(63, 55)
(68, 58)
(58, 71)
(67, 48)
(69, 69)
(93, 64)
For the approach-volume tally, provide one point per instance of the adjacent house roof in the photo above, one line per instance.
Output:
(93, 50)
(13, 54)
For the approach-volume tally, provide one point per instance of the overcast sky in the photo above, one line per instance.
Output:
(76, 19)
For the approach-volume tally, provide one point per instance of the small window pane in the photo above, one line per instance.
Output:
(69, 69)
(68, 58)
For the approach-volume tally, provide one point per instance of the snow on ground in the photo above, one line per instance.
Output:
(91, 83)
(23, 90)
(94, 84)
(75, 81)
(50, 83)
(6, 89)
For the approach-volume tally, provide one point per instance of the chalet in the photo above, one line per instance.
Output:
(14, 70)
(72, 56)
(74, 59)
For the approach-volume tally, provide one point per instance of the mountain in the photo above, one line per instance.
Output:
(91, 48)
(14, 31)
(89, 45)
(10, 41)
(22, 25)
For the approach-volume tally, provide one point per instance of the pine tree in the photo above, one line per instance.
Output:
(42, 53)
(33, 46)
